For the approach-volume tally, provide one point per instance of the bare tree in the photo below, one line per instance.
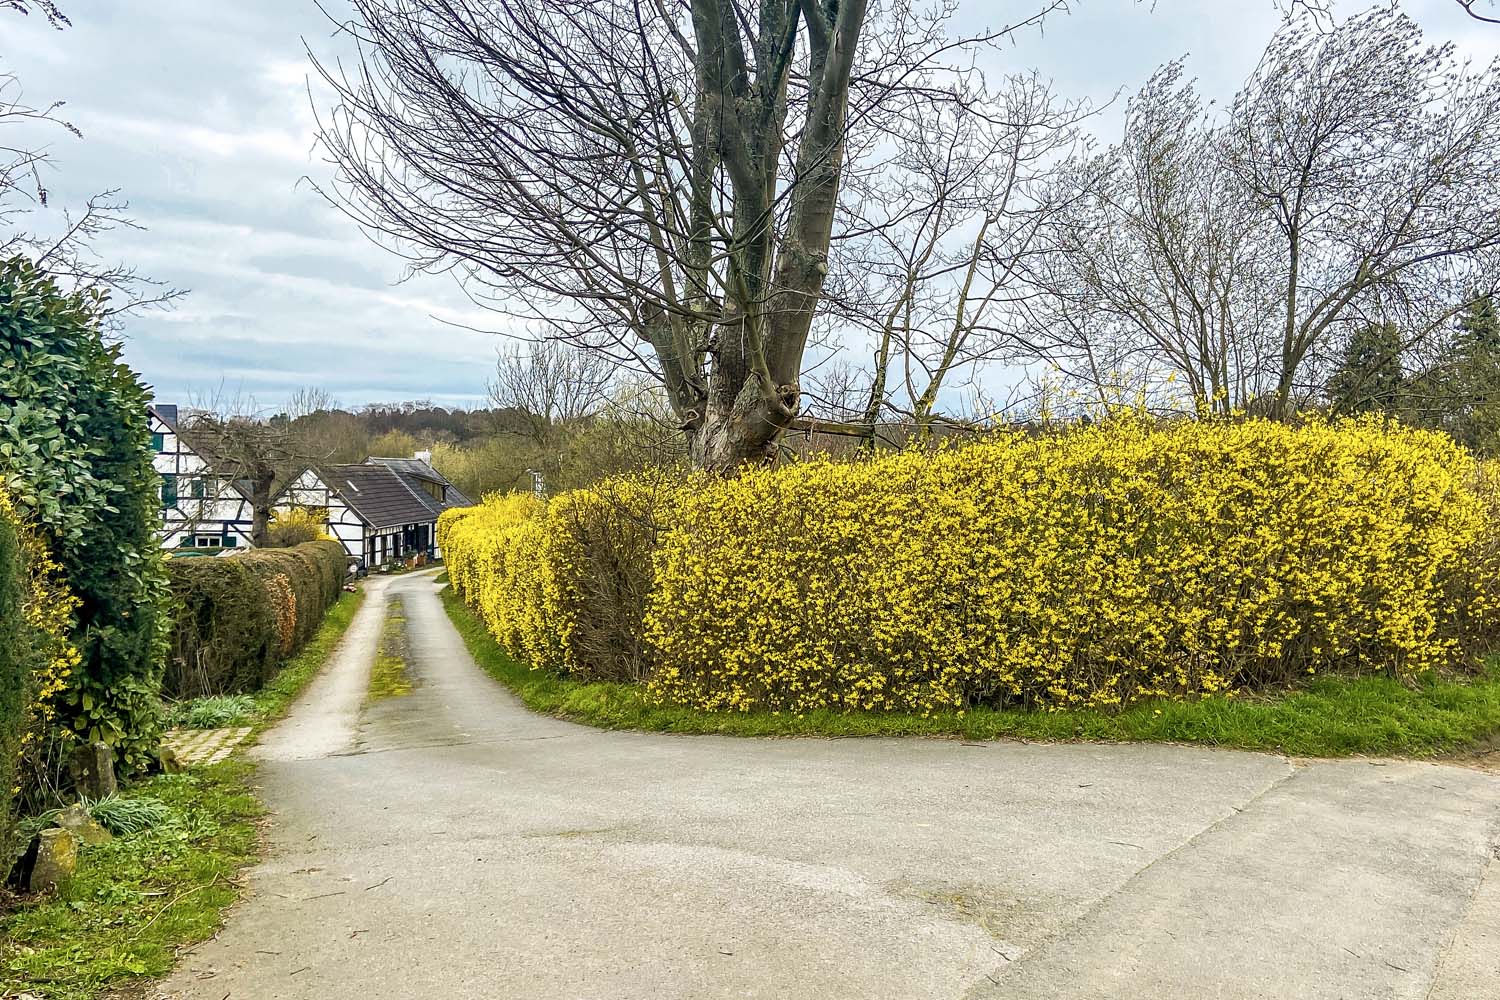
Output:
(551, 383)
(950, 222)
(65, 250)
(308, 400)
(47, 8)
(1469, 5)
(1355, 180)
(658, 181)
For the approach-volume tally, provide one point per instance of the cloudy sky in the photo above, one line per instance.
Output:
(198, 111)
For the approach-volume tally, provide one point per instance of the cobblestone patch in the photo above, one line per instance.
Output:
(205, 746)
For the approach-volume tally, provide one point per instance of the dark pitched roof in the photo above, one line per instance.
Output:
(166, 413)
(380, 496)
(419, 469)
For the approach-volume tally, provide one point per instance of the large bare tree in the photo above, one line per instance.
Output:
(1354, 181)
(656, 180)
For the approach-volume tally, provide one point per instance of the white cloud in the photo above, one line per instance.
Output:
(199, 113)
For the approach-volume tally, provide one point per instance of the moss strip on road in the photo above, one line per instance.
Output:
(138, 899)
(1328, 717)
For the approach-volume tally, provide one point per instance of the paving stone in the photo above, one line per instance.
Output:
(204, 746)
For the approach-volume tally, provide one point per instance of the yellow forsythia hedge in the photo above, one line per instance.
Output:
(1114, 562)
(562, 585)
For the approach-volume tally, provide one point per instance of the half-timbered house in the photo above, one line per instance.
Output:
(199, 508)
(382, 510)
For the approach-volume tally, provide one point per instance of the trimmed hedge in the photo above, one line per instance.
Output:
(563, 585)
(1111, 563)
(239, 616)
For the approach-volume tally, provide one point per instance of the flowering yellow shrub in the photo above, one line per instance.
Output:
(562, 585)
(1120, 561)
(1111, 563)
(37, 658)
(297, 525)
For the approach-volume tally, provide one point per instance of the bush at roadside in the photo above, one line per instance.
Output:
(565, 584)
(239, 616)
(1097, 567)
(36, 659)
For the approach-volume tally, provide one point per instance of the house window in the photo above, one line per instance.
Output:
(158, 442)
(196, 488)
(208, 541)
(168, 490)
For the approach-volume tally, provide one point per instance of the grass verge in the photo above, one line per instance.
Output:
(1329, 717)
(136, 900)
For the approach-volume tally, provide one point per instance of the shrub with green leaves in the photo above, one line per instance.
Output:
(75, 453)
(213, 712)
(238, 616)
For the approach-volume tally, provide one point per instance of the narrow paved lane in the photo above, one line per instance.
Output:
(447, 843)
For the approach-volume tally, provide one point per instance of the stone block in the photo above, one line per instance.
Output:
(94, 771)
(56, 860)
(77, 821)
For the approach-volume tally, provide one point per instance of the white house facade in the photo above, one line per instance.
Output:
(199, 509)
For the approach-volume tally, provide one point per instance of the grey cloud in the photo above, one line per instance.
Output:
(197, 110)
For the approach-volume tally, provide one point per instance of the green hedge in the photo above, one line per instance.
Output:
(229, 633)
(75, 456)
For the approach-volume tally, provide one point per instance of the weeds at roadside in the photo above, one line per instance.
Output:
(123, 815)
(212, 712)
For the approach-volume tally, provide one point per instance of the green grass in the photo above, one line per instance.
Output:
(139, 897)
(388, 673)
(1329, 717)
(166, 878)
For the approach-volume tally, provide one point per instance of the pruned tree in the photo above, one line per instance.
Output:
(656, 181)
(246, 455)
(1354, 180)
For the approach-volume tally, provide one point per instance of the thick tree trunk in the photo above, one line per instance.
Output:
(260, 510)
(744, 430)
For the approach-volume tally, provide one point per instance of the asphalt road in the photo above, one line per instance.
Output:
(447, 843)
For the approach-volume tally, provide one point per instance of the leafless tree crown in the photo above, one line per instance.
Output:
(658, 181)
